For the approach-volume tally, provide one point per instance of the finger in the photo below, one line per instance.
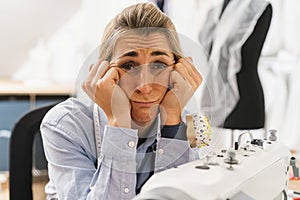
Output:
(190, 59)
(89, 84)
(188, 62)
(187, 77)
(106, 83)
(181, 88)
(92, 72)
(90, 68)
(189, 72)
(194, 70)
(86, 84)
(179, 67)
(195, 78)
(102, 69)
(111, 75)
(182, 70)
(176, 80)
(93, 68)
(120, 71)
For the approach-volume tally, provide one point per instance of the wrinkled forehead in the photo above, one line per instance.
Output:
(135, 41)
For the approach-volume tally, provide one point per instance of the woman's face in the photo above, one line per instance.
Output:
(145, 63)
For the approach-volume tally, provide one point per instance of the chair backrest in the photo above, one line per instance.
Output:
(21, 149)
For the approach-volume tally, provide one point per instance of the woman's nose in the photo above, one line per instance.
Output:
(144, 88)
(145, 80)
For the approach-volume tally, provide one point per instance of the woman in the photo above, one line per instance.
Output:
(132, 128)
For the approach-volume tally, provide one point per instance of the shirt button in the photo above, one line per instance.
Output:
(160, 151)
(131, 144)
(126, 190)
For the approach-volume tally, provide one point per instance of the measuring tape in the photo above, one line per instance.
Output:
(97, 130)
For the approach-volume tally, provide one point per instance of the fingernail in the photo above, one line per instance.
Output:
(91, 66)
(190, 58)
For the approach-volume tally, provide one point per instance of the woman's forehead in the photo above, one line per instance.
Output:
(140, 42)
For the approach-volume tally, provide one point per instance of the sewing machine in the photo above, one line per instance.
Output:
(256, 170)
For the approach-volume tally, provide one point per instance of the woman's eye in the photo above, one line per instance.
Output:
(128, 66)
(158, 65)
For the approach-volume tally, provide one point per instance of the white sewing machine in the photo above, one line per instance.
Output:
(257, 170)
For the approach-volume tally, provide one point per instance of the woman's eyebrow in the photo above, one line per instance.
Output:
(127, 54)
(136, 54)
(159, 53)
(130, 54)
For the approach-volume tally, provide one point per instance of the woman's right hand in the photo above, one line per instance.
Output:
(102, 87)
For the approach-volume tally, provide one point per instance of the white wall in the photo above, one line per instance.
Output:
(58, 55)
(23, 23)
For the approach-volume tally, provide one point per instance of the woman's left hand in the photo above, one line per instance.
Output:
(184, 81)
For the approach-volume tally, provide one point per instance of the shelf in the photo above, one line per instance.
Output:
(11, 87)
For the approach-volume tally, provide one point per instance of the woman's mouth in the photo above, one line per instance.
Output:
(145, 104)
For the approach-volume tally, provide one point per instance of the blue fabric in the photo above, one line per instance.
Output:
(174, 131)
(68, 137)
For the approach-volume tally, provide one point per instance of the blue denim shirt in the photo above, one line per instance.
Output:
(75, 172)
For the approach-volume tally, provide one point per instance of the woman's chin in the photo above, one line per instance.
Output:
(142, 121)
(144, 116)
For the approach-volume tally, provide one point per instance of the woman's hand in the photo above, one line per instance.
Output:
(102, 87)
(184, 81)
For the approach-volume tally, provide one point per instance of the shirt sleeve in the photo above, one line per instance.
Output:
(174, 131)
(173, 148)
(72, 168)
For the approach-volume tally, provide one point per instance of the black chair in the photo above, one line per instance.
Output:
(21, 153)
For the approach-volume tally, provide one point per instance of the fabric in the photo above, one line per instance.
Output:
(280, 80)
(275, 38)
(70, 149)
(174, 131)
(290, 25)
(160, 4)
(227, 36)
(202, 130)
(279, 72)
(145, 162)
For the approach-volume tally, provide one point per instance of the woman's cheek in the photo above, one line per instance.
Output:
(163, 78)
(161, 92)
(128, 85)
